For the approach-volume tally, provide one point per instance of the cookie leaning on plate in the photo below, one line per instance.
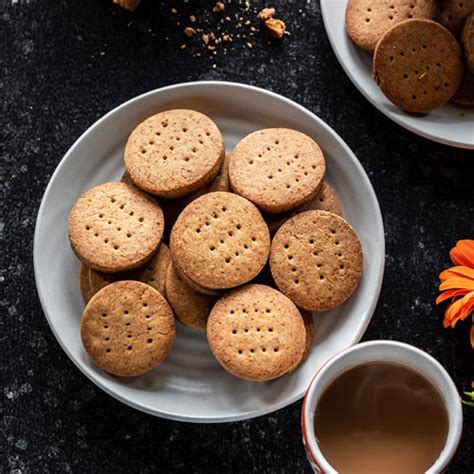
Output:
(174, 153)
(278, 169)
(468, 42)
(220, 241)
(418, 65)
(256, 333)
(127, 328)
(115, 227)
(316, 260)
(367, 20)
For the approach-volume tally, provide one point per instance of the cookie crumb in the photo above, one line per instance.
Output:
(205, 39)
(173, 10)
(249, 45)
(274, 28)
(218, 7)
(192, 19)
(266, 14)
(129, 5)
(189, 31)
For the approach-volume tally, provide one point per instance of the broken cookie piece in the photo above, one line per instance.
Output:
(129, 5)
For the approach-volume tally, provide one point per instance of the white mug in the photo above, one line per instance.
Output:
(382, 351)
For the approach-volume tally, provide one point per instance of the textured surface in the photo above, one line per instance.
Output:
(452, 14)
(418, 65)
(468, 41)
(88, 57)
(256, 333)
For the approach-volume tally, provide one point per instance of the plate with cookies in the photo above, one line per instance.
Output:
(412, 59)
(204, 248)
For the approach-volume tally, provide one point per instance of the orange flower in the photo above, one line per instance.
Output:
(457, 284)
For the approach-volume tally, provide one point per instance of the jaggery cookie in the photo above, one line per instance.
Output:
(453, 13)
(220, 241)
(127, 328)
(256, 333)
(175, 152)
(367, 20)
(316, 260)
(190, 308)
(115, 227)
(465, 94)
(468, 42)
(86, 291)
(278, 169)
(418, 65)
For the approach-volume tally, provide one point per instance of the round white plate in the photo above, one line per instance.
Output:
(447, 124)
(190, 385)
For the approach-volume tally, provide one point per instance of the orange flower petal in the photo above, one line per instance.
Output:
(457, 282)
(457, 271)
(463, 253)
(472, 332)
(450, 294)
(454, 311)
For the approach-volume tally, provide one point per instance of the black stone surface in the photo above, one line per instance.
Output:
(63, 65)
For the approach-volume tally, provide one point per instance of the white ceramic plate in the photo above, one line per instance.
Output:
(447, 124)
(190, 385)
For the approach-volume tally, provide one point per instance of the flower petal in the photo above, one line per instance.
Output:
(463, 253)
(454, 312)
(457, 271)
(457, 282)
(450, 294)
(472, 332)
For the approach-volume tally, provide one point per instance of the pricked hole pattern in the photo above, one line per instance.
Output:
(129, 348)
(108, 350)
(128, 324)
(145, 305)
(148, 316)
(126, 311)
(149, 341)
(104, 315)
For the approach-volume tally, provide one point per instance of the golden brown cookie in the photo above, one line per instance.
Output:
(418, 65)
(174, 153)
(190, 308)
(278, 169)
(453, 13)
(115, 227)
(220, 241)
(309, 327)
(316, 260)
(127, 328)
(468, 42)
(368, 20)
(256, 333)
(86, 291)
(220, 183)
(465, 94)
(193, 285)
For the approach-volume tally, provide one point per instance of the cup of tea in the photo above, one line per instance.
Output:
(381, 406)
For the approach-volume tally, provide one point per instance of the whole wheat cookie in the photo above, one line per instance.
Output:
(115, 227)
(153, 273)
(256, 333)
(85, 286)
(220, 241)
(367, 20)
(453, 13)
(465, 94)
(316, 260)
(468, 42)
(325, 200)
(278, 169)
(418, 65)
(175, 152)
(193, 285)
(190, 308)
(127, 328)
(309, 327)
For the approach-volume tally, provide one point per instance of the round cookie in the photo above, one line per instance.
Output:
(316, 260)
(468, 42)
(115, 227)
(220, 241)
(256, 333)
(193, 285)
(309, 327)
(86, 291)
(173, 153)
(465, 94)
(453, 13)
(278, 169)
(127, 328)
(418, 65)
(367, 20)
(190, 308)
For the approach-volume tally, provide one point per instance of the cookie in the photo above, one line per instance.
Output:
(367, 20)
(153, 273)
(316, 260)
(278, 169)
(465, 94)
(468, 42)
(190, 308)
(193, 285)
(453, 13)
(86, 291)
(115, 227)
(127, 328)
(256, 333)
(173, 153)
(418, 65)
(220, 241)
(309, 327)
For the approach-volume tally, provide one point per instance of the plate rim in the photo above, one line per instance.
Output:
(390, 115)
(380, 265)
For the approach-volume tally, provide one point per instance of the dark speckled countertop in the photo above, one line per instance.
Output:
(63, 65)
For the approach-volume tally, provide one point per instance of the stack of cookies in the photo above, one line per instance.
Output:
(423, 49)
(244, 247)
